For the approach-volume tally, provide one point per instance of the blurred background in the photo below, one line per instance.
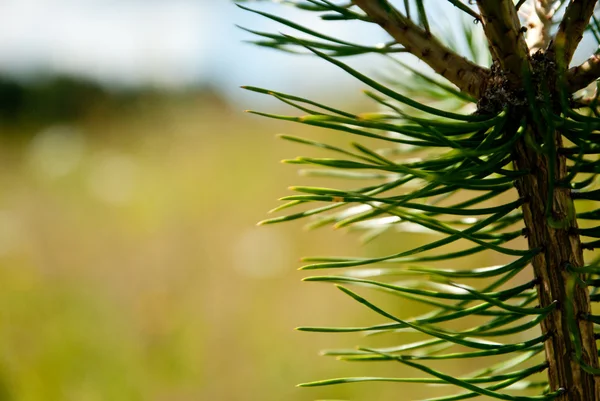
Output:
(131, 182)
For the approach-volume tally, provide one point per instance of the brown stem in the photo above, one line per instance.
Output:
(467, 76)
(570, 32)
(581, 76)
(559, 247)
(503, 30)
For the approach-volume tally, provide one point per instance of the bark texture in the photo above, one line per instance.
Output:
(466, 75)
(559, 246)
(582, 75)
(554, 232)
(570, 31)
(507, 44)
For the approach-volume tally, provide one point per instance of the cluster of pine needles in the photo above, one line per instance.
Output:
(426, 162)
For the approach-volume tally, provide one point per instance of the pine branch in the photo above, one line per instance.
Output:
(570, 31)
(502, 28)
(466, 9)
(427, 155)
(582, 75)
(467, 76)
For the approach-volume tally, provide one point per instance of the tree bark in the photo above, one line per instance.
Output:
(559, 247)
(466, 75)
(507, 44)
(570, 32)
(582, 75)
(554, 232)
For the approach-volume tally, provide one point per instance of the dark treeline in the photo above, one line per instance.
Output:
(61, 99)
(53, 99)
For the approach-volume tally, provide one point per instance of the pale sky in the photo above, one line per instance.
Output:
(169, 43)
(124, 41)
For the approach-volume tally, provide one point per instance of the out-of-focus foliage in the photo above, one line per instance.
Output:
(130, 265)
(48, 100)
